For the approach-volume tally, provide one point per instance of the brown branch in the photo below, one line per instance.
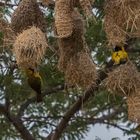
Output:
(76, 107)
(32, 100)
(107, 117)
(2, 108)
(25, 134)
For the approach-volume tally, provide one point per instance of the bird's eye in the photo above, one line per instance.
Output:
(117, 48)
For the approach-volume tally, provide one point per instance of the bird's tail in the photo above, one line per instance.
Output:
(39, 97)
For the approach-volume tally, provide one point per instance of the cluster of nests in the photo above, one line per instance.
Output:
(29, 25)
(75, 60)
(122, 21)
(125, 81)
(29, 43)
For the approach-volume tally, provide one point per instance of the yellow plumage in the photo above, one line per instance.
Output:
(119, 55)
(34, 81)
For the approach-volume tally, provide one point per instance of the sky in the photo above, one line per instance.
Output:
(100, 130)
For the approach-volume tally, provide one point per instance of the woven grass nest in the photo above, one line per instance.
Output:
(75, 61)
(64, 15)
(30, 47)
(122, 19)
(87, 7)
(63, 18)
(8, 35)
(70, 46)
(133, 104)
(26, 15)
(124, 80)
(81, 71)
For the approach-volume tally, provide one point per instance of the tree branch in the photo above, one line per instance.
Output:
(76, 107)
(25, 134)
(2, 108)
(32, 100)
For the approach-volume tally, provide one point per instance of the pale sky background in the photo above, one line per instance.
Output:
(100, 130)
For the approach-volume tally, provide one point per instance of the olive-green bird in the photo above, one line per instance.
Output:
(34, 81)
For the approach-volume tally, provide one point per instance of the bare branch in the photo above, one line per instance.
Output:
(76, 107)
(2, 108)
(32, 100)
(25, 134)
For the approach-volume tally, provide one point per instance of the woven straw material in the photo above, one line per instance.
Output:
(75, 60)
(81, 71)
(48, 3)
(124, 80)
(26, 15)
(8, 35)
(30, 47)
(63, 18)
(87, 7)
(133, 104)
(122, 19)
(70, 46)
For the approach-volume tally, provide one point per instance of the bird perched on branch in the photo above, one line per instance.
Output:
(119, 55)
(34, 81)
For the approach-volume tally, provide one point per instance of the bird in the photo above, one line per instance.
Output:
(119, 55)
(34, 81)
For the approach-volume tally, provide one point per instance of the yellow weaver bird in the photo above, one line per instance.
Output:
(34, 81)
(119, 55)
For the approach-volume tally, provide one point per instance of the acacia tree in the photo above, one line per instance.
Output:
(65, 113)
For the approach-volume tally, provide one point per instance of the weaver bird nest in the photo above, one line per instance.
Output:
(122, 19)
(133, 103)
(75, 60)
(81, 70)
(63, 18)
(30, 47)
(26, 15)
(64, 15)
(7, 34)
(124, 80)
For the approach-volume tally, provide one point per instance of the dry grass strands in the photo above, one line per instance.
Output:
(124, 80)
(63, 18)
(122, 18)
(75, 60)
(26, 15)
(81, 70)
(87, 7)
(70, 46)
(133, 103)
(48, 3)
(30, 47)
(114, 22)
(8, 35)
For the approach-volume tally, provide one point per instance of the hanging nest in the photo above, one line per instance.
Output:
(133, 103)
(26, 15)
(81, 70)
(122, 19)
(7, 35)
(30, 47)
(75, 61)
(63, 18)
(48, 3)
(86, 7)
(124, 80)
(70, 46)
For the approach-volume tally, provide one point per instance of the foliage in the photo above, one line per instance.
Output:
(41, 119)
